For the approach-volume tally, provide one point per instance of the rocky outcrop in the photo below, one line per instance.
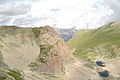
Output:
(38, 54)
(53, 51)
(33, 51)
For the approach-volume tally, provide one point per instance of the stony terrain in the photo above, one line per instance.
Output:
(38, 54)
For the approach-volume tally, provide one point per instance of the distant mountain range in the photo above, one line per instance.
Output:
(66, 34)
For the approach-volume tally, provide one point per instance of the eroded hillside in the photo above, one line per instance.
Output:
(38, 54)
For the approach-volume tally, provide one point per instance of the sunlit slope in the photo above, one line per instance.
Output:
(38, 54)
(102, 43)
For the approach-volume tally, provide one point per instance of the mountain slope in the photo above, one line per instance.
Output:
(34, 51)
(102, 43)
(38, 54)
(99, 45)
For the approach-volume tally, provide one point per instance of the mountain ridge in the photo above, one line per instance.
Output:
(101, 44)
(38, 54)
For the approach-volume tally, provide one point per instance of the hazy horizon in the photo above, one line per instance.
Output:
(81, 14)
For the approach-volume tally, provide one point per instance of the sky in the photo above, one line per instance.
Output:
(80, 14)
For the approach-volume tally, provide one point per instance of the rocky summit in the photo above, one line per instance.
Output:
(38, 54)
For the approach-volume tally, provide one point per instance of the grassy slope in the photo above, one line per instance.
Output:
(101, 43)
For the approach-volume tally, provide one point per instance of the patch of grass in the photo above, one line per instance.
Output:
(44, 49)
(16, 74)
(4, 76)
(36, 32)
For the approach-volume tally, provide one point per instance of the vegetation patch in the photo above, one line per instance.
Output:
(89, 44)
(16, 74)
(4, 76)
(36, 31)
(44, 49)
